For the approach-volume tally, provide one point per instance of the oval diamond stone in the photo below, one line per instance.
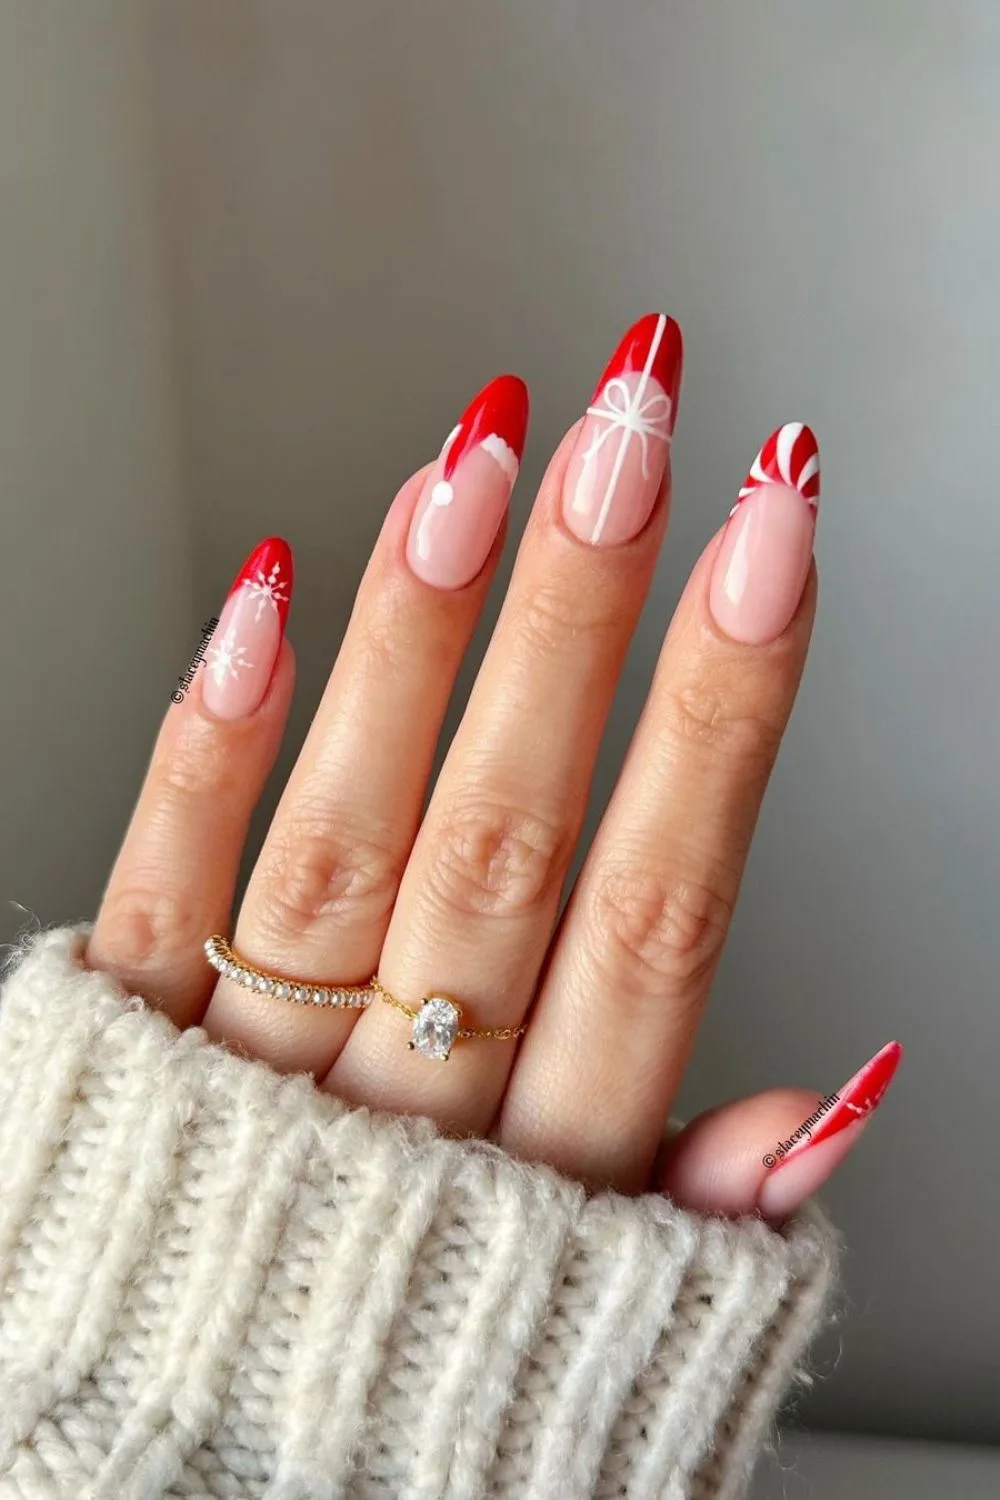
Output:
(435, 1028)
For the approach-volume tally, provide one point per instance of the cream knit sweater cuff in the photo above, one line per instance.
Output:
(216, 1281)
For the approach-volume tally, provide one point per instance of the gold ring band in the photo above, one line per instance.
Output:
(436, 1022)
(224, 958)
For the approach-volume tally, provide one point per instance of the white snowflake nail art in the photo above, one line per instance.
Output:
(227, 660)
(242, 655)
(267, 588)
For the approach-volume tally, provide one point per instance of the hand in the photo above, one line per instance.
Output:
(464, 901)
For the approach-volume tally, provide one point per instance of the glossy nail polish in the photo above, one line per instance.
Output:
(821, 1143)
(620, 454)
(764, 558)
(241, 656)
(468, 490)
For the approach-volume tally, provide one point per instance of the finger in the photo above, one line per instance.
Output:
(643, 932)
(481, 892)
(174, 878)
(772, 1152)
(320, 896)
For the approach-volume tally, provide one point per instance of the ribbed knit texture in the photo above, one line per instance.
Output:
(217, 1281)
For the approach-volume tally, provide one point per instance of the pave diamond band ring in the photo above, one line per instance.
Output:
(231, 966)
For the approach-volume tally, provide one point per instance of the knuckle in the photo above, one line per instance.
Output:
(554, 618)
(717, 723)
(149, 930)
(383, 647)
(494, 860)
(660, 931)
(315, 876)
(198, 771)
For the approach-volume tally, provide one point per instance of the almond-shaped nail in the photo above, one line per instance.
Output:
(811, 1154)
(618, 460)
(240, 659)
(763, 562)
(467, 492)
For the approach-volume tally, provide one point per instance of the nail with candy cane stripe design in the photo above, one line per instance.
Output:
(762, 564)
(790, 456)
(466, 494)
(618, 462)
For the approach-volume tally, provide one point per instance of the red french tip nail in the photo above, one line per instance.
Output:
(653, 346)
(267, 576)
(791, 457)
(498, 418)
(859, 1097)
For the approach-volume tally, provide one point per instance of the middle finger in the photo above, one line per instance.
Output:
(480, 894)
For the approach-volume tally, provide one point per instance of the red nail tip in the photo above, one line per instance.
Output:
(790, 456)
(268, 575)
(863, 1093)
(499, 412)
(653, 346)
(859, 1098)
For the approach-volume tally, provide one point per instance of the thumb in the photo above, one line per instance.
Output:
(770, 1152)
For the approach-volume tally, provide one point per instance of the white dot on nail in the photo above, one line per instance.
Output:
(442, 493)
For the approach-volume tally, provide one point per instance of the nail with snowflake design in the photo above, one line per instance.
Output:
(620, 455)
(467, 491)
(799, 1165)
(241, 656)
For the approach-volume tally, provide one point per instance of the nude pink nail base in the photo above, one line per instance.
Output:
(764, 559)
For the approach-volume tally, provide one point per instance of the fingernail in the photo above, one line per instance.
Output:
(620, 454)
(828, 1136)
(764, 558)
(240, 658)
(467, 491)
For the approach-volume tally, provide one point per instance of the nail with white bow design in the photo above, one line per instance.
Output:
(618, 462)
(467, 491)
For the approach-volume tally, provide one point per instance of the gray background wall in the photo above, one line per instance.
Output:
(254, 258)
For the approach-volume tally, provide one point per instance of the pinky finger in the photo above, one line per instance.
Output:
(175, 875)
(769, 1153)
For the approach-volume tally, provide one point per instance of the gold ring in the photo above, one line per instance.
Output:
(228, 962)
(437, 1024)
